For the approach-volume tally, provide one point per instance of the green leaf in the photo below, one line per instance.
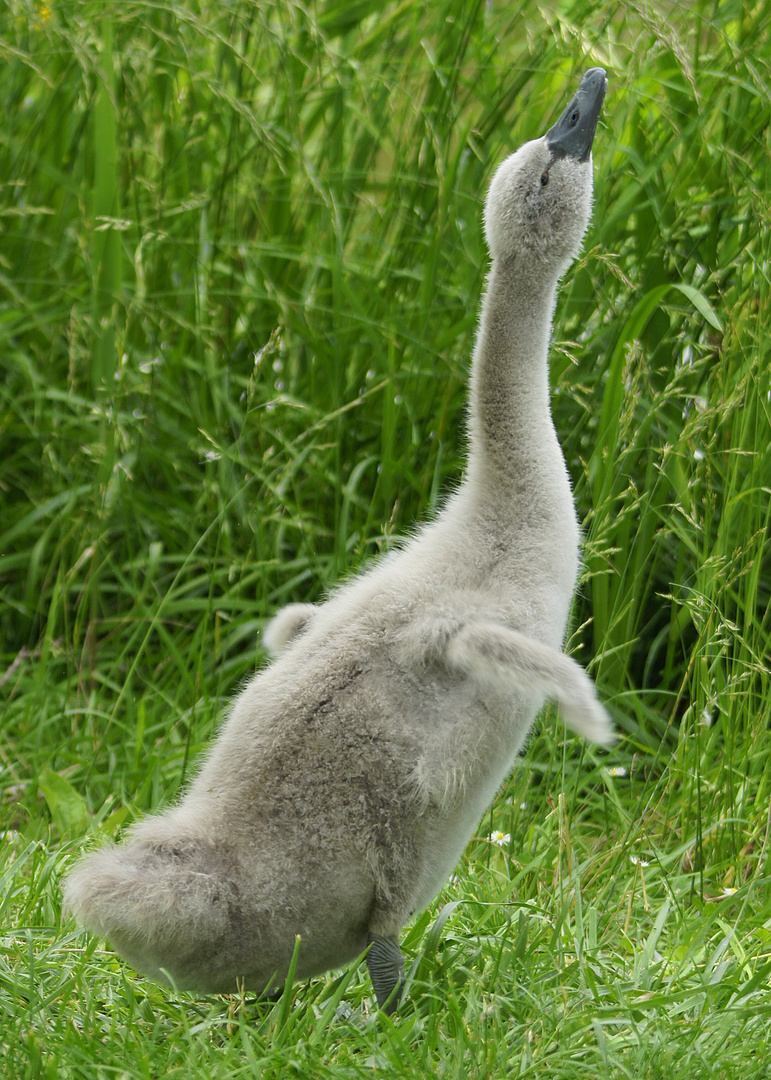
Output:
(68, 810)
(701, 303)
(434, 934)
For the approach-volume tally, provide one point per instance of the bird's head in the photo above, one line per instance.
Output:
(540, 199)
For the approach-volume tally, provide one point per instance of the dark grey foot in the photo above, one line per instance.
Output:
(386, 969)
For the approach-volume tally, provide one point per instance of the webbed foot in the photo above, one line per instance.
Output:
(386, 970)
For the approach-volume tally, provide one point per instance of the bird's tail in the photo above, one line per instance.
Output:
(160, 902)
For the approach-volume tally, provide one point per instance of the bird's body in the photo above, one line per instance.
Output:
(352, 771)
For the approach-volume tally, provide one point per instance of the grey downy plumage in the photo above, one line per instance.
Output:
(352, 770)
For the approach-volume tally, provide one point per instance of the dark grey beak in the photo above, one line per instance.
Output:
(573, 134)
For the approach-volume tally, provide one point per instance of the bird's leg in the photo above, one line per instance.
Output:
(386, 969)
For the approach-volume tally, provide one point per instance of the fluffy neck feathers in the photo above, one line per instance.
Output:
(510, 428)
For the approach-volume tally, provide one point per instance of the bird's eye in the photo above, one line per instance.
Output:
(544, 179)
(574, 117)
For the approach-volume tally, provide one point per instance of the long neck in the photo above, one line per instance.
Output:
(512, 440)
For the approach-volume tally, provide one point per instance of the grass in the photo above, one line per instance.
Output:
(240, 268)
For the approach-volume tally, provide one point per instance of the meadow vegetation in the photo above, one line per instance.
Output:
(241, 259)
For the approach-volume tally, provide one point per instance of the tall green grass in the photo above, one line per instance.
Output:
(240, 266)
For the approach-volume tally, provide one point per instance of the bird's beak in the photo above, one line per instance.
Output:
(573, 134)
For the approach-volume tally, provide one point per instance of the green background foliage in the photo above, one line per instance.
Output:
(241, 259)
